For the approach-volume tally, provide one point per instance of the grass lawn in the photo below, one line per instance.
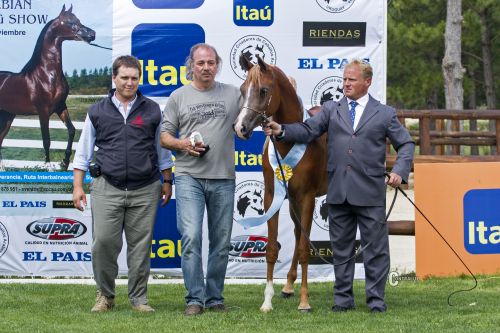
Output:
(414, 306)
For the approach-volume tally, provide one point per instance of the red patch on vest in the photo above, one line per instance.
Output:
(138, 121)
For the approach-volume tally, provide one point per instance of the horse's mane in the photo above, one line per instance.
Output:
(35, 58)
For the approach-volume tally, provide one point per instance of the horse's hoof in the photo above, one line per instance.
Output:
(309, 310)
(286, 295)
(265, 309)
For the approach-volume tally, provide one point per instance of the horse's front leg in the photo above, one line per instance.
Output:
(272, 251)
(64, 116)
(303, 252)
(288, 288)
(44, 127)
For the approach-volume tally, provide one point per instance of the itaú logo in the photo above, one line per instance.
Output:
(482, 221)
(253, 12)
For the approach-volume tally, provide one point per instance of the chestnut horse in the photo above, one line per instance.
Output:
(41, 87)
(267, 92)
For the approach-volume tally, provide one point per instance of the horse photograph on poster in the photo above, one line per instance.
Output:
(41, 88)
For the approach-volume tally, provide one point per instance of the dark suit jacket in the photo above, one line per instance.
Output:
(356, 158)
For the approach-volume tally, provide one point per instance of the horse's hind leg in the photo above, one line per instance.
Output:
(6, 120)
(64, 116)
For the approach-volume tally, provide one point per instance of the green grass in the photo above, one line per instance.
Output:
(414, 306)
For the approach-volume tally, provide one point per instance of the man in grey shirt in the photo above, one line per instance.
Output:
(204, 173)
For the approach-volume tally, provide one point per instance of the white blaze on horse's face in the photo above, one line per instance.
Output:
(251, 112)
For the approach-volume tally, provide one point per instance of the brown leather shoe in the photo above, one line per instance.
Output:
(193, 310)
(103, 303)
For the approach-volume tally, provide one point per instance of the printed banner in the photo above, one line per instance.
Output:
(311, 40)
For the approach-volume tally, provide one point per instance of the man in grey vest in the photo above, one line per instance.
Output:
(357, 127)
(126, 189)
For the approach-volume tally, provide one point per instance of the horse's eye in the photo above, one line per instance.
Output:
(263, 92)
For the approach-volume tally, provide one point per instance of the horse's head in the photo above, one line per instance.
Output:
(259, 97)
(68, 27)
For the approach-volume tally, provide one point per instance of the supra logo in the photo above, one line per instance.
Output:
(4, 239)
(320, 214)
(164, 4)
(335, 6)
(249, 246)
(56, 228)
(253, 12)
(482, 221)
(328, 89)
(162, 50)
(251, 46)
(249, 200)
(334, 34)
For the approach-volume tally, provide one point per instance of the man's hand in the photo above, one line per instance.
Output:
(393, 179)
(187, 147)
(166, 193)
(272, 128)
(79, 198)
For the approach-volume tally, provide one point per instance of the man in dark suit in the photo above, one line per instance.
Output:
(357, 127)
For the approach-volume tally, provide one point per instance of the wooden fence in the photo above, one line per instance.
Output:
(432, 139)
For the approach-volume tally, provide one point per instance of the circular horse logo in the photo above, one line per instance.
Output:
(335, 6)
(328, 89)
(320, 214)
(251, 46)
(249, 200)
(4, 239)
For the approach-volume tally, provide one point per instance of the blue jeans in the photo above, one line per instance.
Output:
(192, 195)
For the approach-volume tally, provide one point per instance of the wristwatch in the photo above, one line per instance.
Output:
(281, 135)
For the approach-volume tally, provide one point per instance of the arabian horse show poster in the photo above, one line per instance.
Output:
(40, 231)
(42, 41)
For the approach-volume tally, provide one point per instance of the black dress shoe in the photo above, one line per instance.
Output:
(338, 308)
(377, 310)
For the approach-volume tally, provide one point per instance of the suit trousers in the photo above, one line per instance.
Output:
(115, 211)
(343, 222)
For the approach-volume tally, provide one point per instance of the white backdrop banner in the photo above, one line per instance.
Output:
(311, 40)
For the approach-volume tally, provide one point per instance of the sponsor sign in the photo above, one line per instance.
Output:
(252, 47)
(253, 12)
(56, 228)
(162, 50)
(4, 239)
(248, 200)
(335, 6)
(482, 221)
(320, 213)
(168, 4)
(329, 89)
(166, 244)
(63, 204)
(324, 254)
(334, 34)
(248, 246)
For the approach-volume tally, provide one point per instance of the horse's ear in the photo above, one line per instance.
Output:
(70, 8)
(245, 63)
(262, 64)
(63, 9)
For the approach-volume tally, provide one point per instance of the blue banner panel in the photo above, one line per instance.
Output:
(482, 221)
(162, 49)
(248, 153)
(168, 4)
(166, 245)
